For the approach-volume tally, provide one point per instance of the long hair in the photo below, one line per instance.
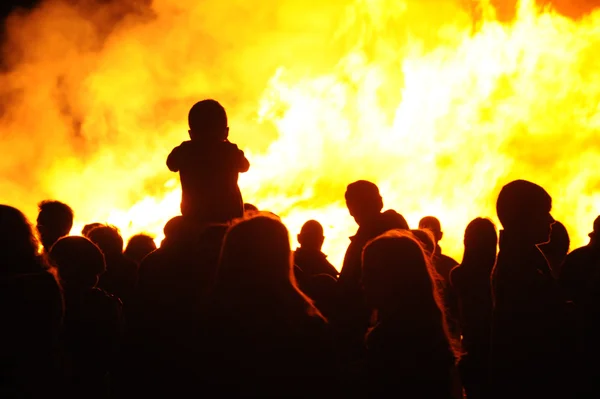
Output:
(481, 243)
(256, 267)
(399, 275)
(19, 246)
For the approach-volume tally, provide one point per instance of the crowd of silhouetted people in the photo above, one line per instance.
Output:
(224, 307)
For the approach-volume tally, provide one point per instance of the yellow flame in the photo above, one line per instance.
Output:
(437, 104)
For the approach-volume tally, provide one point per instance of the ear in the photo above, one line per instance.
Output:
(299, 237)
(441, 235)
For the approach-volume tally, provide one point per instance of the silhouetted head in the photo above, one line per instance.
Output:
(180, 230)
(54, 221)
(89, 227)
(139, 246)
(208, 120)
(397, 275)
(311, 236)
(108, 239)
(250, 208)
(557, 248)
(18, 243)
(363, 201)
(432, 224)
(481, 242)
(524, 209)
(79, 261)
(595, 234)
(393, 220)
(426, 239)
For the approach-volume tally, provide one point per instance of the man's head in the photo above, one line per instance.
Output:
(108, 239)
(55, 220)
(208, 119)
(432, 224)
(311, 236)
(363, 201)
(595, 234)
(524, 209)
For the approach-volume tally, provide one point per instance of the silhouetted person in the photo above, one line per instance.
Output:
(89, 227)
(364, 204)
(268, 340)
(581, 266)
(55, 220)
(427, 241)
(31, 312)
(471, 283)
(442, 263)
(250, 209)
(309, 256)
(93, 322)
(408, 351)
(138, 247)
(121, 273)
(557, 248)
(532, 352)
(167, 312)
(209, 166)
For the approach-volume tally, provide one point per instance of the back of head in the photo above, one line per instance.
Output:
(311, 235)
(518, 201)
(256, 252)
(432, 224)
(426, 239)
(78, 260)
(397, 275)
(481, 241)
(139, 246)
(54, 221)
(207, 118)
(89, 227)
(363, 200)
(18, 244)
(108, 239)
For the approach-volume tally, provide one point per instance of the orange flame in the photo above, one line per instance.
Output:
(440, 109)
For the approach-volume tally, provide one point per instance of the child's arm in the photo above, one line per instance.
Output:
(173, 160)
(244, 164)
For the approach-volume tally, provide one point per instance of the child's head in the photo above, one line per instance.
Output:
(208, 119)
(524, 209)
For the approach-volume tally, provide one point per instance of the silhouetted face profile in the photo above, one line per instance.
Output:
(18, 244)
(311, 236)
(595, 234)
(396, 272)
(363, 201)
(108, 239)
(78, 261)
(432, 224)
(55, 220)
(208, 120)
(524, 209)
(481, 239)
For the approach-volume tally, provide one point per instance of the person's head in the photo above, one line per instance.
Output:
(557, 248)
(393, 220)
(524, 209)
(79, 261)
(426, 239)
(481, 241)
(311, 236)
(89, 227)
(139, 246)
(250, 208)
(398, 275)
(108, 239)
(55, 220)
(18, 243)
(432, 224)
(363, 201)
(256, 264)
(208, 120)
(595, 234)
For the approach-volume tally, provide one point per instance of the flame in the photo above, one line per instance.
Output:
(440, 109)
